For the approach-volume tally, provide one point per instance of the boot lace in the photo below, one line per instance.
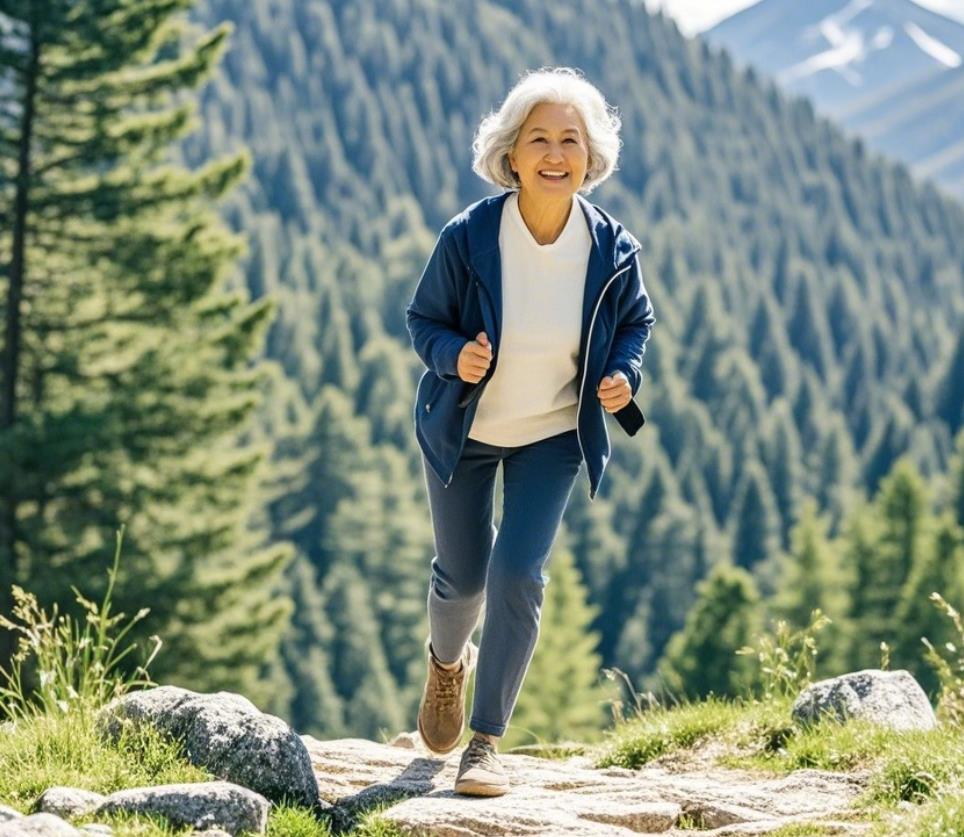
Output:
(447, 688)
(481, 753)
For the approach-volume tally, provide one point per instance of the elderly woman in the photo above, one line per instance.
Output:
(532, 318)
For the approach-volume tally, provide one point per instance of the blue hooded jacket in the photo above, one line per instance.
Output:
(460, 294)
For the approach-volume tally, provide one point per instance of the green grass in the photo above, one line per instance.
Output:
(665, 730)
(44, 751)
(916, 785)
(803, 830)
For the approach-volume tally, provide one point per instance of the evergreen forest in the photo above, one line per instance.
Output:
(212, 217)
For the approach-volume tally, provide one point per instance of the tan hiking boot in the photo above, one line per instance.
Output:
(441, 714)
(480, 771)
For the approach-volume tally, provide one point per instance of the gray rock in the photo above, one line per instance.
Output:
(221, 805)
(889, 698)
(226, 734)
(7, 813)
(556, 797)
(38, 825)
(68, 802)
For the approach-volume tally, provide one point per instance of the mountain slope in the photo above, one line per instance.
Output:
(889, 71)
(807, 294)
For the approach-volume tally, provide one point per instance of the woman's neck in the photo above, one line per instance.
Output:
(545, 219)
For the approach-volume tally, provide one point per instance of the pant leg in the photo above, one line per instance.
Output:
(464, 534)
(537, 482)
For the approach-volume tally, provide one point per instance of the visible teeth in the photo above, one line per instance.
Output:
(552, 172)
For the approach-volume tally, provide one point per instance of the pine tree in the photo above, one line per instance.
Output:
(603, 553)
(635, 570)
(358, 665)
(783, 459)
(807, 328)
(675, 556)
(757, 521)
(379, 531)
(859, 550)
(318, 470)
(563, 697)
(836, 472)
(701, 658)
(954, 488)
(314, 707)
(126, 374)
(902, 526)
(811, 577)
(949, 393)
(936, 568)
(889, 440)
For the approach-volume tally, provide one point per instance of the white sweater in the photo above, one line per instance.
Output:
(533, 393)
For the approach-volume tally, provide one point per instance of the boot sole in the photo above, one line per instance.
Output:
(480, 789)
(432, 747)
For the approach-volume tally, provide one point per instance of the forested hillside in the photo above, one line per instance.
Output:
(808, 298)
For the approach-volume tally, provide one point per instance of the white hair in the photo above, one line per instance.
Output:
(497, 132)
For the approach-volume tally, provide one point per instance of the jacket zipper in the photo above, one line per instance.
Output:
(585, 366)
(478, 284)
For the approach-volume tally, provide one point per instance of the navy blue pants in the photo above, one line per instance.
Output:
(477, 564)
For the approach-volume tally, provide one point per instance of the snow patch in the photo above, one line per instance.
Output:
(846, 47)
(934, 48)
(882, 37)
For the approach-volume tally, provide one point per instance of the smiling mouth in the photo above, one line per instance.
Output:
(555, 177)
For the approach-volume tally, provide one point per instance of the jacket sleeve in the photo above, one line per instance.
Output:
(432, 314)
(634, 328)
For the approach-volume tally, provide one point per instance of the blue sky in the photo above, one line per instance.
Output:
(694, 16)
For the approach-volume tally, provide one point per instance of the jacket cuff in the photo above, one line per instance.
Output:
(634, 377)
(448, 358)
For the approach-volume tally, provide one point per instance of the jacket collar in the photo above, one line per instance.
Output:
(612, 246)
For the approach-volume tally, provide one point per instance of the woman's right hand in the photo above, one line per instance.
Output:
(475, 358)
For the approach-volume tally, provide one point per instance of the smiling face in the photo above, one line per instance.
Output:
(552, 139)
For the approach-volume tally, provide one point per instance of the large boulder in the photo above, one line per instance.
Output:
(38, 825)
(227, 735)
(203, 805)
(890, 698)
(68, 802)
(8, 813)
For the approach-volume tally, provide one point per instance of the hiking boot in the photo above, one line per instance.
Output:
(480, 771)
(441, 714)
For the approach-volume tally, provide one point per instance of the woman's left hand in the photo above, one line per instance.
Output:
(614, 392)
